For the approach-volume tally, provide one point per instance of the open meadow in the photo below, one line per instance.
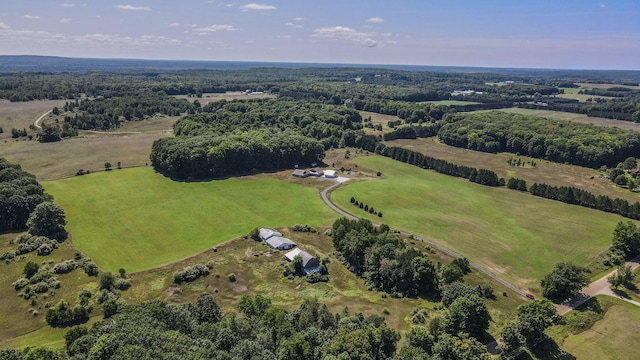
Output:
(515, 235)
(130, 145)
(581, 118)
(547, 172)
(137, 219)
(608, 329)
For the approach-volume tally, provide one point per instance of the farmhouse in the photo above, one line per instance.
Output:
(330, 174)
(266, 233)
(300, 173)
(280, 243)
(309, 263)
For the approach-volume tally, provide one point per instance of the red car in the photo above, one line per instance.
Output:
(530, 296)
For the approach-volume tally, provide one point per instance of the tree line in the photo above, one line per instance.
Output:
(554, 140)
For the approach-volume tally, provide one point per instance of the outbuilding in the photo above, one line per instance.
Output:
(309, 263)
(330, 174)
(266, 233)
(280, 243)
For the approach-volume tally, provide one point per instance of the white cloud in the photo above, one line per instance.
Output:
(298, 19)
(214, 28)
(32, 17)
(174, 24)
(134, 8)
(229, 5)
(4, 26)
(67, 4)
(375, 20)
(65, 20)
(348, 34)
(296, 26)
(602, 6)
(260, 7)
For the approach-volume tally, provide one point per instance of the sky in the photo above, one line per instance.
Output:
(560, 34)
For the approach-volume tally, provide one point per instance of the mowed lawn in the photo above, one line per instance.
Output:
(137, 219)
(516, 235)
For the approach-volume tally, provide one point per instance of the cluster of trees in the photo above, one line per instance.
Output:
(20, 193)
(519, 162)
(576, 196)
(413, 131)
(527, 331)
(480, 176)
(626, 108)
(621, 175)
(239, 137)
(555, 140)
(109, 113)
(517, 184)
(382, 258)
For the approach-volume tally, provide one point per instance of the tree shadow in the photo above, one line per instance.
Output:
(548, 349)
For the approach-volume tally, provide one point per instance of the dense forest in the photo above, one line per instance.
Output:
(555, 140)
(242, 136)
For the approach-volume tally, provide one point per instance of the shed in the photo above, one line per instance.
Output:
(330, 174)
(316, 171)
(280, 243)
(300, 173)
(266, 233)
(309, 263)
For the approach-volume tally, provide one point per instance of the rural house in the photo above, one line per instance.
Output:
(266, 233)
(309, 263)
(316, 171)
(280, 243)
(330, 174)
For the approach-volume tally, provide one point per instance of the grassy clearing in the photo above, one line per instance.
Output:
(581, 118)
(229, 95)
(451, 102)
(131, 145)
(545, 171)
(613, 333)
(259, 271)
(20, 115)
(516, 235)
(18, 326)
(154, 220)
(605, 86)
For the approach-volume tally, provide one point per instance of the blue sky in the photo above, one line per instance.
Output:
(577, 34)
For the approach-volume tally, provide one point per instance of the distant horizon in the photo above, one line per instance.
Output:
(545, 34)
(334, 64)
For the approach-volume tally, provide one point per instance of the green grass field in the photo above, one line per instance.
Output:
(137, 219)
(615, 334)
(516, 235)
(452, 102)
(561, 115)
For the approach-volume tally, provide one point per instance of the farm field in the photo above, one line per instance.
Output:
(515, 235)
(130, 145)
(614, 336)
(545, 172)
(581, 118)
(155, 221)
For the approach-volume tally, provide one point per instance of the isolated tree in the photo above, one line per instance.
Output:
(107, 281)
(626, 238)
(623, 277)
(30, 269)
(107, 166)
(48, 219)
(564, 281)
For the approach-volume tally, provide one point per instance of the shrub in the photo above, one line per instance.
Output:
(30, 269)
(191, 273)
(122, 284)
(232, 277)
(314, 277)
(90, 268)
(65, 267)
(20, 284)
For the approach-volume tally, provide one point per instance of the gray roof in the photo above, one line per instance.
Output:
(277, 241)
(307, 259)
(266, 233)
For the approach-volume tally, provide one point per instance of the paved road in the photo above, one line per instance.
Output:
(37, 122)
(324, 194)
(598, 287)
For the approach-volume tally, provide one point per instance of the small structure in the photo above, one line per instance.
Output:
(300, 173)
(309, 263)
(330, 174)
(280, 243)
(266, 233)
(316, 171)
